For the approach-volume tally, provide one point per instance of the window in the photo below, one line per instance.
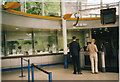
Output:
(45, 41)
(19, 43)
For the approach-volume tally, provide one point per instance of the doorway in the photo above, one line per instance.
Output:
(111, 37)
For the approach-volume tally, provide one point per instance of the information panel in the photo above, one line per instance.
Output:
(108, 16)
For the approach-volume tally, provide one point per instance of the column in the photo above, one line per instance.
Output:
(22, 5)
(25, 6)
(4, 43)
(101, 4)
(33, 48)
(42, 7)
(80, 8)
(119, 36)
(90, 30)
(77, 5)
(57, 50)
(64, 34)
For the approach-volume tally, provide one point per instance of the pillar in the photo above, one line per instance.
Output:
(42, 7)
(33, 46)
(22, 5)
(25, 6)
(119, 36)
(4, 43)
(90, 30)
(64, 34)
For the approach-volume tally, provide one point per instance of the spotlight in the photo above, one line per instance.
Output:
(106, 29)
(101, 32)
(100, 28)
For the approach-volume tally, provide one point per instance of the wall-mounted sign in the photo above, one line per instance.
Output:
(108, 16)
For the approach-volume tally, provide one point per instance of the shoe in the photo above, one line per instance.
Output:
(74, 72)
(93, 73)
(96, 72)
(79, 73)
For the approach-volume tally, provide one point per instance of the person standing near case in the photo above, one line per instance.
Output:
(93, 56)
(74, 54)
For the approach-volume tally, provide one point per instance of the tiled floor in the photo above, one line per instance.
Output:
(59, 73)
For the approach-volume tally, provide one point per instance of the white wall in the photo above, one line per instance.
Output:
(13, 19)
(37, 60)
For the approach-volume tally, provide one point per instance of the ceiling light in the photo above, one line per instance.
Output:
(16, 28)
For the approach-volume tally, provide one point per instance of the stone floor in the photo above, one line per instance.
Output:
(59, 73)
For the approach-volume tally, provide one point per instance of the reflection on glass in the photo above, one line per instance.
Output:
(45, 41)
(2, 44)
(19, 43)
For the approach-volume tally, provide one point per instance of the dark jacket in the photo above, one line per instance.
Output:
(74, 48)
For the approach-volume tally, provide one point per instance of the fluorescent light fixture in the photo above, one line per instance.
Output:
(16, 28)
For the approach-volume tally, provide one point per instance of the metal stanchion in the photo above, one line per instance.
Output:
(65, 61)
(22, 67)
(50, 77)
(103, 61)
(28, 70)
(32, 67)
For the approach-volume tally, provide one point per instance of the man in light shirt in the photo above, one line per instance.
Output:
(93, 56)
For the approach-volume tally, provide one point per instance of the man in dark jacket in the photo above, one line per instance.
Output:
(74, 53)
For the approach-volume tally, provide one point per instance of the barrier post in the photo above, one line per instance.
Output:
(65, 61)
(50, 77)
(21, 67)
(103, 61)
(32, 67)
(28, 70)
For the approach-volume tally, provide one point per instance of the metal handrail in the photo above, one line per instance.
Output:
(49, 73)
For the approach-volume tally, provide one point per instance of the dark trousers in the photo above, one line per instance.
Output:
(76, 63)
